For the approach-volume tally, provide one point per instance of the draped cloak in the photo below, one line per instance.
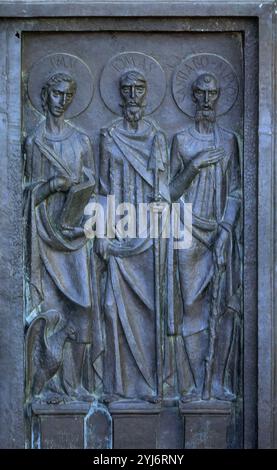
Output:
(215, 195)
(58, 269)
(130, 357)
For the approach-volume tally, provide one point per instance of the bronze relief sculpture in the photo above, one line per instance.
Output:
(206, 172)
(59, 166)
(112, 336)
(122, 311)
(128, 149)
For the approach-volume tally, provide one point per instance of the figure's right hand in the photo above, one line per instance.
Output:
(101, 246)
(60, 183)
(208, 157)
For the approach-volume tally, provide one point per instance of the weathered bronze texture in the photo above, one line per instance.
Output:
(58, 160)
(153, 349)
(132, 364)
(132, 341)
(206, 171)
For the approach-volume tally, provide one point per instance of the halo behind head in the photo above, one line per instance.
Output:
(139, 66)
(201, 65)
(52, 68)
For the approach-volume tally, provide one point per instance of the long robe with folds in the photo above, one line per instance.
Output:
(58, 269)
(129, 304)
(215, 195)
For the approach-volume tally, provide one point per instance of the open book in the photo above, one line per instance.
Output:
(77, 199)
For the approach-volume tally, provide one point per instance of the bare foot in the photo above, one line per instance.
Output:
(190, 396)
(156, 399)
(82, 394)
(110, 398)
(53, 398)
(225, 395)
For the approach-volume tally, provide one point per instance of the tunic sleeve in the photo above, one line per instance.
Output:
(182, 174)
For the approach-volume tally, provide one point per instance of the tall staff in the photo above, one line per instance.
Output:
(213, 324)
(156, 165)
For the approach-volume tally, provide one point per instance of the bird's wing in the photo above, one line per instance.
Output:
(38, 332)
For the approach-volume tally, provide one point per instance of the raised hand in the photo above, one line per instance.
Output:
(72, 232)
(208, 157)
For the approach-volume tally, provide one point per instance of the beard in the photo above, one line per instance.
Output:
(205, 115)
(133, 113)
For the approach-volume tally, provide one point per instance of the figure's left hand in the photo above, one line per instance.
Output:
(220, 248)
(72, 232)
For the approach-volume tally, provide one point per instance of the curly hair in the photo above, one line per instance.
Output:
(52, 81)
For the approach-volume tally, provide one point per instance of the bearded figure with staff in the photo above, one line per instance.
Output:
(133, 167)
(206, 172)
